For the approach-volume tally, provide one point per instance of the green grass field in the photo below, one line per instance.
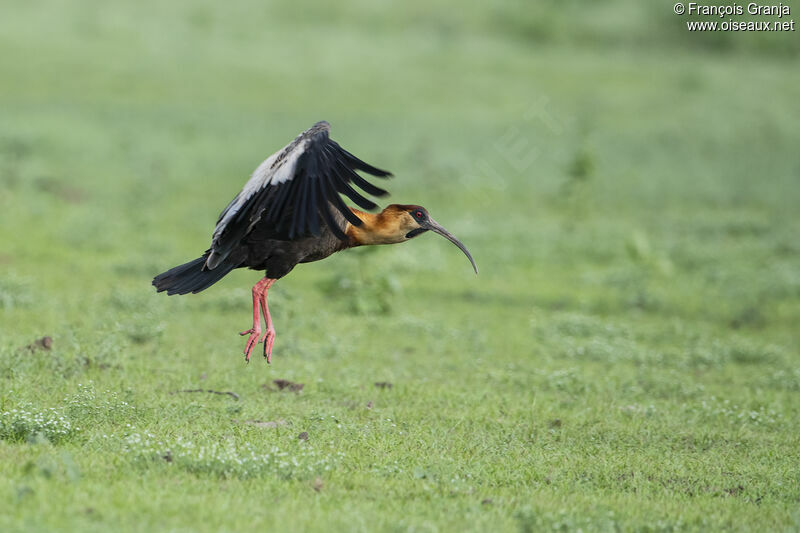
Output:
(627, 358)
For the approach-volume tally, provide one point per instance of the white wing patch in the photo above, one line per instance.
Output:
(277, 168)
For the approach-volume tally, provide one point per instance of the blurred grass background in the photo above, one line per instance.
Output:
(627, 358)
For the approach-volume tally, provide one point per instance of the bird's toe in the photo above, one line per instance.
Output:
(269, 340)
(255, 333)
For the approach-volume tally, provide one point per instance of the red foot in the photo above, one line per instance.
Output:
(260, 301)
(268, 339)
(251, 341)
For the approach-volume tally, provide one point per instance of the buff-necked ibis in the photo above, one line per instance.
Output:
(290, 212)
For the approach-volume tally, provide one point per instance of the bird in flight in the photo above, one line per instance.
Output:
(290, 212)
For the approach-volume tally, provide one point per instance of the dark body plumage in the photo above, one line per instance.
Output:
(262, 249)
(273, 251)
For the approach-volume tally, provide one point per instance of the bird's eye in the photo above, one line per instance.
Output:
(418, 214)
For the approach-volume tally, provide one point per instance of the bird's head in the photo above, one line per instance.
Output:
(399, 223)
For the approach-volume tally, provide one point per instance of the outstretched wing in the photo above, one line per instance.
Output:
(295, 189)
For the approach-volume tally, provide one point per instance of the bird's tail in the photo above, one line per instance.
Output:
(190, 277)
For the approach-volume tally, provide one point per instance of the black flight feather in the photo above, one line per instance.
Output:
(294, 190)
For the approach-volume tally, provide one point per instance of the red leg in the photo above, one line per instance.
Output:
(269, 336)
(259, 289)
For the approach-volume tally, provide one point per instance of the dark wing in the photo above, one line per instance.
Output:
(295, 189)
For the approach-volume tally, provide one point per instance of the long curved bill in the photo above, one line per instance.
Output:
(437, 228)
